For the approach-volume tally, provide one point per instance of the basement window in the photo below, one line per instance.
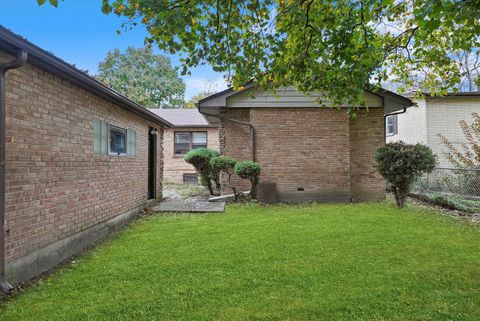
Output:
(190, 178)
(117, 141)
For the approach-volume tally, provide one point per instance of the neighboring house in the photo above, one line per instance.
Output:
(81, 159)
(190, 130)
(431, 116)
(307, 153)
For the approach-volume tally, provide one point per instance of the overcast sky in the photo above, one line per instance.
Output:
(79, 33)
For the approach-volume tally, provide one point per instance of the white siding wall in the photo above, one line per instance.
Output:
(443, 116)
(412, 125)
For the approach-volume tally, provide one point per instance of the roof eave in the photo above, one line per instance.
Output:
(43, 59)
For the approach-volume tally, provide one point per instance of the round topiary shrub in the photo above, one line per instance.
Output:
(251, 171)
(200, 159)
(400, 164)
(223, 163)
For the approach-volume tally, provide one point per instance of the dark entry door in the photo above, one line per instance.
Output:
(152, 163)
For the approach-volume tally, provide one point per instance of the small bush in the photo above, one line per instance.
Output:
(251, 171)
(401, 164)
(223, 163)
(226, 165)
(200, 159)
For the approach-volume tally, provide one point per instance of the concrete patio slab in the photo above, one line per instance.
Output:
(190, 207)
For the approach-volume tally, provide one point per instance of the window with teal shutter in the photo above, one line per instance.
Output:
(100, 137)
(131, 142)
(113, 140)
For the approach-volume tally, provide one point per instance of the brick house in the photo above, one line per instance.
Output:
(308, 153)
(80, 159)
(190, 130)
(433, 116)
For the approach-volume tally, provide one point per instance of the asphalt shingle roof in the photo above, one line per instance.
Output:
(182, 117)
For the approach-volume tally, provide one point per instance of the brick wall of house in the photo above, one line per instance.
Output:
(367, 134)
(175, 166)
(309, 153)
(55, 185)
(234, 141)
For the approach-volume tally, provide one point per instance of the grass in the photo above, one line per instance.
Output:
(312, 262)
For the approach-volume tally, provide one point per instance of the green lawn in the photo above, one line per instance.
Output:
(312, 262)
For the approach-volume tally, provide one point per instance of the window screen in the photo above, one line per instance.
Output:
(117, 141)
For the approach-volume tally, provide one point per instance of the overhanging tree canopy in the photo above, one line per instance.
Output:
(143, 76)
(334, 46)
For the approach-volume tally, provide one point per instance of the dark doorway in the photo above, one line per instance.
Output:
(152, 163)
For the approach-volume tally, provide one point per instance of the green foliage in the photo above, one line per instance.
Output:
(453, 201)
(200, 159)
(251, 171)
(191, 103)
(468, 156)
(142, 76)
(288, 42)
(52, 2)
(401, 164)
(223, 163)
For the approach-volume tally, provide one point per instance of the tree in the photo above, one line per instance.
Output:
(192, 102)
(251, 171)
(142, 76)
(468, 156)
(337, 47)
(200, 159)
(400, 164)
(225, 164)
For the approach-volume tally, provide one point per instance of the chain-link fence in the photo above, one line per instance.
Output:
(455, 188)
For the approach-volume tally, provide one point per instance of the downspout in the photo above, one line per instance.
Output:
(20, 60)
(251, 136)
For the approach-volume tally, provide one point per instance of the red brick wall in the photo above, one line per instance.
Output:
(313, 149)
(174, 166)
(55, 185)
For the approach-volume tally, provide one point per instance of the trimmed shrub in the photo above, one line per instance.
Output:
(227, 165)
(200, 159)
(401, 164)
(251, 171)
(223, 163)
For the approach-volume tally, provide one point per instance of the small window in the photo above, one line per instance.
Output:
(117, 141)
(392, 125)
(190, 178)
(186, 141)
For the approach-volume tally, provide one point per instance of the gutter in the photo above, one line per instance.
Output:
(20, 60)
(251, 135)
(58, 67)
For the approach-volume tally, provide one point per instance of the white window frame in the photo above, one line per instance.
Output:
(393, 125)
(110, 137)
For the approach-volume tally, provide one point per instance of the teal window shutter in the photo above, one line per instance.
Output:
(100, 137)
(97, 136)
(105, 130)
(131, 142)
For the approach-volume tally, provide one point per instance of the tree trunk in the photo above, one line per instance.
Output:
(398, 199)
